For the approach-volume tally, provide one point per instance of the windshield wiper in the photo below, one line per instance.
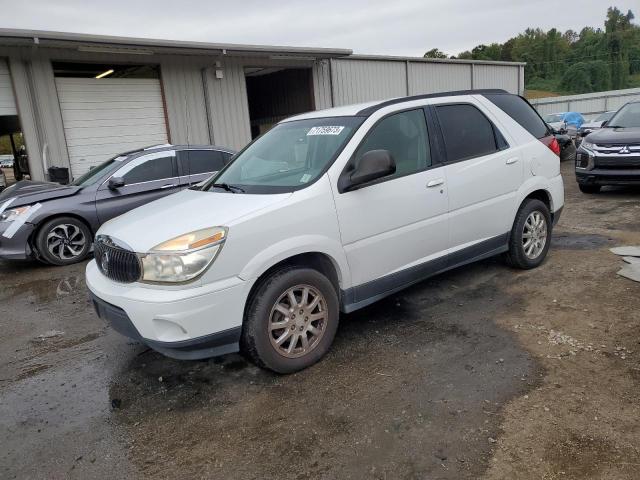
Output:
(228, 188)
(614, 126)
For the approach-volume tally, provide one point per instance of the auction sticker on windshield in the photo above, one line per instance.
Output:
(327, 130)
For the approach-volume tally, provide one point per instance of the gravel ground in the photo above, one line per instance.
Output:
(482, 372)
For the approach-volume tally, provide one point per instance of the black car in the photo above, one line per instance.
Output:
(55, 223)
(611, 155)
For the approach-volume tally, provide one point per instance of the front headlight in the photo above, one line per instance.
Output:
(183, 258)
(13, 213)
(586, 145)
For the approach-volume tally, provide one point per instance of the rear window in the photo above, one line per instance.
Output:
(523, 113)
(467, 132)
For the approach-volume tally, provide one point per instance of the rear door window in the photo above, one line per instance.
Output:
(467, 132)
(204, 161)
(522, 112)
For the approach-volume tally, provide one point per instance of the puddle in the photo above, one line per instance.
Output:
(41, 291)
(578, 241)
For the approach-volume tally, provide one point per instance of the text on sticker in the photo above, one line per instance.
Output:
(325, 130)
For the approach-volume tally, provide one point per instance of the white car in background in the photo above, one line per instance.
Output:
(329, 211)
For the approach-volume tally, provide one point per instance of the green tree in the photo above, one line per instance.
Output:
(435, 53)
(617, 29)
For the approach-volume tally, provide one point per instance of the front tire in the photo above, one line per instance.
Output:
(291, 320)
(530, 235)
(63, 241)
(589, 188)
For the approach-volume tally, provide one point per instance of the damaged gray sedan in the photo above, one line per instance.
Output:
(55, 223)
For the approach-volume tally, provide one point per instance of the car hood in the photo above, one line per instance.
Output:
(615, 136)
(26, 192)
(591, 125)
(556, 125)
(149, 225)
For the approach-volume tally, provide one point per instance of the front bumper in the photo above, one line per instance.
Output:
(17, 247)
(185, 323)
(608, 177)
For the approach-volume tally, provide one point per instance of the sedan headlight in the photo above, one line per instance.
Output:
(11, 214)
(183, 258)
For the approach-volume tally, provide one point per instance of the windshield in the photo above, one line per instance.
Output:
(554, 117)
(96, 173)
(288, 157)
(604, 116)
(627, 117)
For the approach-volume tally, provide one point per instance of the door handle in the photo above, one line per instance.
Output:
(511, 160)
(168, 186)
(435, 183)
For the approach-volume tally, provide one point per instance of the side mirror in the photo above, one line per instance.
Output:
(373, 164)
(115, 183)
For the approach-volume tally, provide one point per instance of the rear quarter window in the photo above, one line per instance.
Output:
(522, 112)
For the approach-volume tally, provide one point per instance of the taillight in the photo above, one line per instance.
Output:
(551, 142)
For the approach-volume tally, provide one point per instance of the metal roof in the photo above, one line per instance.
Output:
(108, 43)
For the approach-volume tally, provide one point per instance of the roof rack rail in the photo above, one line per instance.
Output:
(369, 110)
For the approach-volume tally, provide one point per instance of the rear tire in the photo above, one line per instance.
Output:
(291, 320)
(530, 235)
(63, 241)
(589, 188)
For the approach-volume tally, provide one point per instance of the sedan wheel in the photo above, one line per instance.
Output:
(66, 241)
(62, 241)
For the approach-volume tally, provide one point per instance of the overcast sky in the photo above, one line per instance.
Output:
(390, 27)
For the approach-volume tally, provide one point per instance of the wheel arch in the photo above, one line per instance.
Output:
(319, 261)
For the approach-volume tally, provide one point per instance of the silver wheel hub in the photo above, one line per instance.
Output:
(534, 235)
(66, 241)
(297, 321)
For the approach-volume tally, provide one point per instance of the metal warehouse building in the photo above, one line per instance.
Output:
(77, 100)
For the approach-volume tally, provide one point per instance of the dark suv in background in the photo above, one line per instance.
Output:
(611, 155)
(55, 223)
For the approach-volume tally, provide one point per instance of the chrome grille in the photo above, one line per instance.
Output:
(116, 263)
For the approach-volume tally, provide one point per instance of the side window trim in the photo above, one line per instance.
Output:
(434, 164)
(496, 131)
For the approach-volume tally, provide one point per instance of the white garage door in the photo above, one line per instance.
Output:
(107, 116)
(7, 102)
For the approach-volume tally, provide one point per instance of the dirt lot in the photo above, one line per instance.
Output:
(484, 372)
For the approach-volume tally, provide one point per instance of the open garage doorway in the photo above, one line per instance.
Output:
(277, 93)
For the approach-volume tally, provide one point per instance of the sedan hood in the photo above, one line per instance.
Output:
(27, 192)
(149, 225)
(615, 136)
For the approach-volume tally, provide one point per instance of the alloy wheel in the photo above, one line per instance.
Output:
(534, 235)
(66, 241)
(298, 321)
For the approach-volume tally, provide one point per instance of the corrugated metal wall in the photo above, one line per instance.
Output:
(364, 79)
(588, 103)
(182, 82)
(438, 77)
(356, 81)
(7, 102)
(496, 76)
(228, 110)
(322, 84)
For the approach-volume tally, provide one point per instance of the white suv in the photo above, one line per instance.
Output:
(327, 212)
